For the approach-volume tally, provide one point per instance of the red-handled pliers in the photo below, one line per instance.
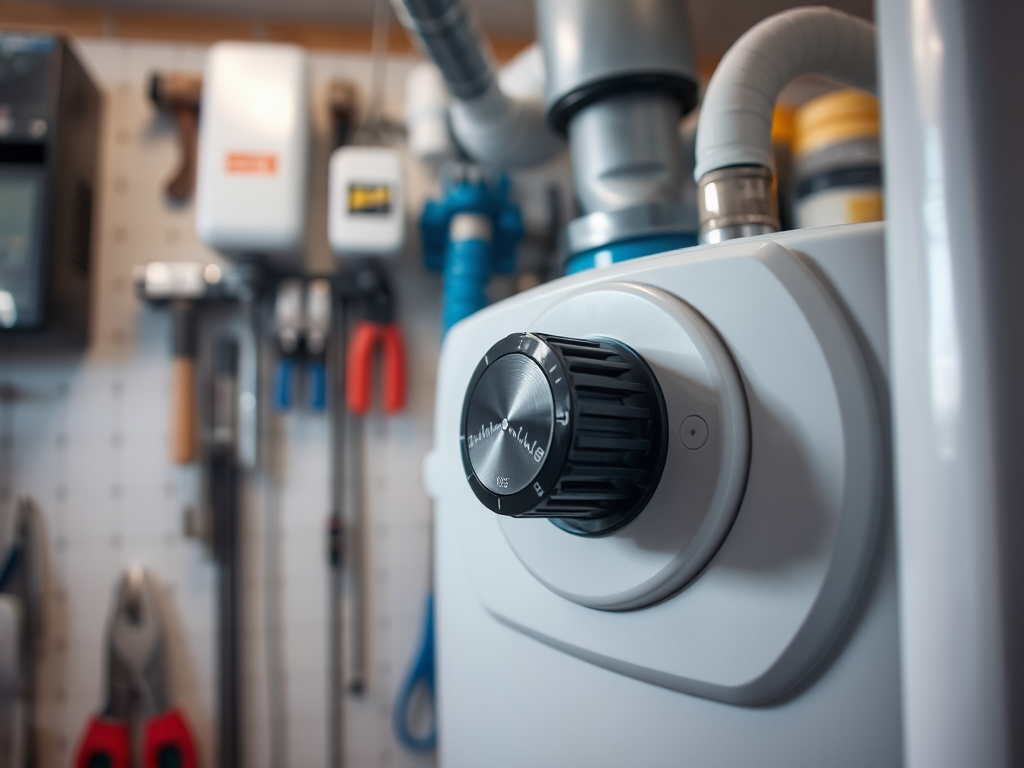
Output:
(136, 683)
(376, 329)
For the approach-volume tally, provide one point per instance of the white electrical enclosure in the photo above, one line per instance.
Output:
(775, 641)
(366, 202)
(253, 152)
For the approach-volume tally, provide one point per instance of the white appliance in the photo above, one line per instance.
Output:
(705, 626)
(748, 614)
(253, 152)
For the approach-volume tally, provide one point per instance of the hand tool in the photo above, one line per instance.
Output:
(249, 291)
(302, 320)
(183, 285)
(336, 536)
(180, 93)
(10, 678)
(288, 328)
(376, 329)
(317, 323)
(136, 688)
(223, 494)
(366, 290)
(21, 578)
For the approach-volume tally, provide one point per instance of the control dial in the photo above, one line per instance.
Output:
(570, 429)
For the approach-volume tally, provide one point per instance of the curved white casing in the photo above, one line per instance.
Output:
(767, 607)
(736, 116)
(798, 607)
(696, 501)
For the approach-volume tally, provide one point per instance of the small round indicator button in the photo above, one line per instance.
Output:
(693, 432)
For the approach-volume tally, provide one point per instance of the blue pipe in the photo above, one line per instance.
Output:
(421, 676)
(629, 249)
(467, 270)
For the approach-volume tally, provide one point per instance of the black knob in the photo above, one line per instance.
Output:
(569, 429)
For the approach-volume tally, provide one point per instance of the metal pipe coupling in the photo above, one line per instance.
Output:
(736, 202)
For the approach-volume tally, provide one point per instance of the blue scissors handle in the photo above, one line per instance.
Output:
(421, 675)
(283, 383)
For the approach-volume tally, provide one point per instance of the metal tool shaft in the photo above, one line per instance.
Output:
(224, 478)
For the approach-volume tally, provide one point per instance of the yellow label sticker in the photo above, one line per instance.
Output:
(369, 198)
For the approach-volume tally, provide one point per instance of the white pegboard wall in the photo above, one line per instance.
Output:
(86, 436)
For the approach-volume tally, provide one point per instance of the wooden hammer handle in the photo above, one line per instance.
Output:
(183, 411)
(184, 416)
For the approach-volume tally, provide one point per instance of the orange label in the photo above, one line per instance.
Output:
(251, 163)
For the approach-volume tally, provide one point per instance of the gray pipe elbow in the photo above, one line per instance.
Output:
(734, 153)
(492, 127)
(736, 117)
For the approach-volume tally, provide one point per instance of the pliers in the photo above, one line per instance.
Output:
(376, 328)
(136, 686)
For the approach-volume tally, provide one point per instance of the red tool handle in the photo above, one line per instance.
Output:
(106, 744)
(359, 375)
(168, 742)
(394, 369)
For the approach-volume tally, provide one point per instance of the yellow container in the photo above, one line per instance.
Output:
(837, 169)
(782, 154)
(835, 118)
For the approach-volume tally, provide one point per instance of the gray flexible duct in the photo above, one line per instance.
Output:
(492, 127)
(736, 117)
(447, 35)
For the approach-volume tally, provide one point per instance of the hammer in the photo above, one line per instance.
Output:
(182, 286)
(179, 93)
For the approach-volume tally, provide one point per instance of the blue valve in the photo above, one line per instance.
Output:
(468, 261)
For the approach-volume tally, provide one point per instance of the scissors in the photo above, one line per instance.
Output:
(136, 688)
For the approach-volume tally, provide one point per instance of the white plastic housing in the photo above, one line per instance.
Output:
(682, 527)
(366, 202)
(253, 151)
(793, 622)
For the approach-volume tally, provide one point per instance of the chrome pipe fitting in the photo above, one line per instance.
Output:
(736, 202)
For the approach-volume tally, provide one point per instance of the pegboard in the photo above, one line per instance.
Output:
(86, 436)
